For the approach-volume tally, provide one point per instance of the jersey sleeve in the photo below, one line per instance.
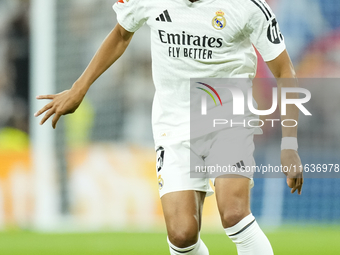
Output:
(130, 14)
(265, 32)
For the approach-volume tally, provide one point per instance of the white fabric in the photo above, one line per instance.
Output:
(197, 249)
(177, 160)
(130, 14)
(236, 228)
(187, 45)
(289, 143)
(173, 171)
(251, 240)
(226, 152)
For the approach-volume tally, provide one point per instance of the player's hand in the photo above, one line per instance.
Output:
(290, 160)
(63, 103)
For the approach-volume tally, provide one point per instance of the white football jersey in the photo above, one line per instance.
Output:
(204, 39)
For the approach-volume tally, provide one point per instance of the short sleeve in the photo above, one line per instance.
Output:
(265, 32)
(130, 14)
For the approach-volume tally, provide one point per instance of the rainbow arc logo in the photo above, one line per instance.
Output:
(209, 93)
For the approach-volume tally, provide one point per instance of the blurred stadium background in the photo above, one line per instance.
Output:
(89, 187)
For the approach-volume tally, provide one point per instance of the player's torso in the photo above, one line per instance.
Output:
(209, 38)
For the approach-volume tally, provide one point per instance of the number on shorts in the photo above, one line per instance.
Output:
(160, 158)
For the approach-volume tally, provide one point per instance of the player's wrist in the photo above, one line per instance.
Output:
(80, 88)
(289, 143)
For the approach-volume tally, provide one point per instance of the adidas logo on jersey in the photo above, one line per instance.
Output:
(164, 17)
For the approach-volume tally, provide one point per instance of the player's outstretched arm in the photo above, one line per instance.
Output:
(68, 101)
(282, 68)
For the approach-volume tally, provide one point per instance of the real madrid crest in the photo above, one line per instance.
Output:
(219, 21)
(160, 182)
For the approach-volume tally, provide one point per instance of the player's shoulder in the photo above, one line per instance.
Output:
(256, 7)
(263, 9)
(128, 2)
(146, 3)
(257, 11)
(133, 4)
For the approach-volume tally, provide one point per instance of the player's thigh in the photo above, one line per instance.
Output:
(232, 150)
(233, 198)
(183, 216)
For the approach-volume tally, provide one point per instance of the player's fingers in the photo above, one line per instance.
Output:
(55, 120)
(46, 97)
(293, 185)
(300, 186)
(47, 115)
(290, 182)
(44, 109)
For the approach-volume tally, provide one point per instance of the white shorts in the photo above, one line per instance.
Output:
(178, 161)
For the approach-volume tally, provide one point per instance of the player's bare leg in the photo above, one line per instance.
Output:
(233, 200)
(183, 215)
